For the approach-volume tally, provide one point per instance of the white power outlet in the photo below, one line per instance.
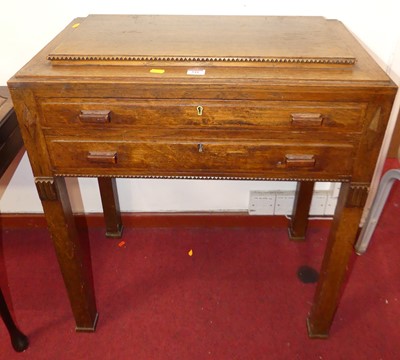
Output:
(284, 202)
(335, 189)
(281, 202)
(318, 202)
(330, 206)
(262, 202)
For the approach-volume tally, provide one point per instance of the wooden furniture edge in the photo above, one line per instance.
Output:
(394, 146)
(159, 220)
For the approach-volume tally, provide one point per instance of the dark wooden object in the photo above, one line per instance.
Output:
(10, 136)
(19, 340)
(269, 98)
(301, 208)
(110, 203)
(394, 148)
(10, 144)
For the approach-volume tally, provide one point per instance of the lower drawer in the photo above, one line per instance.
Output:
(266, 160)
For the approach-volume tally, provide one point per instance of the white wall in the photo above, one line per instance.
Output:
(26, 26)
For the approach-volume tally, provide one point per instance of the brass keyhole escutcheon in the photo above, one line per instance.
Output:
(200, 147)
(199, 110)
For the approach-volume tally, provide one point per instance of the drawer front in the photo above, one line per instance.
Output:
(279, 115)
(265, 160)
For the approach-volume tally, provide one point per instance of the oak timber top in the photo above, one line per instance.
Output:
(230, 48)
(204, 38)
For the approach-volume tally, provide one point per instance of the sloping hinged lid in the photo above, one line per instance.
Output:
(128, 39)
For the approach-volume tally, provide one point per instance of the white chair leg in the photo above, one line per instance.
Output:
(379, 202)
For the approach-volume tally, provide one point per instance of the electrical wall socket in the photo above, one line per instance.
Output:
(330, 206)
(335, 189)
(318, 202)
(262, 202)
(284, 202)
(281, 202)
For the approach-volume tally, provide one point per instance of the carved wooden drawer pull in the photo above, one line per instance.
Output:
(307, 119)
(102, 157)
(300, 160)
(95, 116)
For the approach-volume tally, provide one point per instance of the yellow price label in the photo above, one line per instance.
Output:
(157, 71)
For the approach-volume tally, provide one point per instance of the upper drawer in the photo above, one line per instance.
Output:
(279, 115)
